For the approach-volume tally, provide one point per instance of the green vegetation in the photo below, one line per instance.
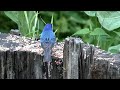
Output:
(27, 22)
(100, 28)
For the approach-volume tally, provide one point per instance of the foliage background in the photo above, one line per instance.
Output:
(81, 24)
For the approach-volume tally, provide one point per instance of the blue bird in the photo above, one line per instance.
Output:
(47, 40)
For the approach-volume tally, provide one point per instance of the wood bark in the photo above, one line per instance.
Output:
(22, 58)
(85, 61)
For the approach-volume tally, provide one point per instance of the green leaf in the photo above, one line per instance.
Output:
(110, 20)
(90, 13)
(26, 21)
(98, 31)
(75, 17)
(52, 20)
(114, 49)
(82, 32)
(13, 15)
(118, 33)
(63, 25)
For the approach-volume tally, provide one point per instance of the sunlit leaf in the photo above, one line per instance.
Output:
(82, 32)
(98, 31)
(25, 20)
(110, 20)
(114, 49)
(90, 13)
(13, 15)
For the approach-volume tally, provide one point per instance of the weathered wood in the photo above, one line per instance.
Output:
(70, 58)
(57, 69)
(85, 61)
(21, 58)
(2, 64)
(38, 66)
(105, 66)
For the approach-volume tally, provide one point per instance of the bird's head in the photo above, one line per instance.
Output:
(48, 27)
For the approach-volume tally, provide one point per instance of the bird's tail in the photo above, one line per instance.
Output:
(47, 55)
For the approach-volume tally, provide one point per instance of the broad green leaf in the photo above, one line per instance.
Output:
(82, 32)
(13, 15)
(26, 21)
(114, 49)
(90, 13)
(110, 20)
(88, 39)
(31, 17)
(98, 31)
(41, 25)
(23, 26)
(30, 14)
(26, 18)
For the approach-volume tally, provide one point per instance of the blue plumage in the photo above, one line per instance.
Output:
(47, 40)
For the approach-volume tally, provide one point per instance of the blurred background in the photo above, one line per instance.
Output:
(67, 23)
(6, 24)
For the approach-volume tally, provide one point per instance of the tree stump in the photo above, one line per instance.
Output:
(21, 58)
(85, 61)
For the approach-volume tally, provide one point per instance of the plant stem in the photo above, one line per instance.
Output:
(25, 12)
